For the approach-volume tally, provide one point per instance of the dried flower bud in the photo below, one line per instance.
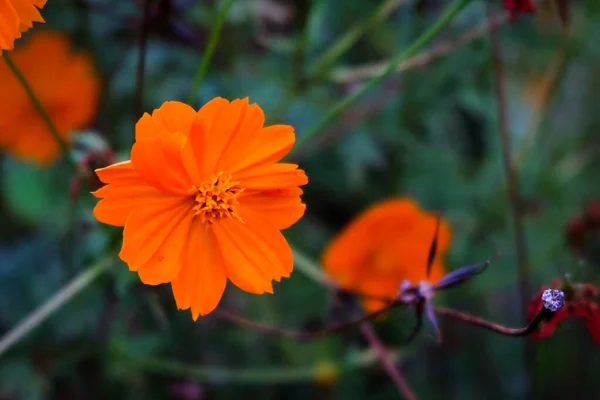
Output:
(553, 299)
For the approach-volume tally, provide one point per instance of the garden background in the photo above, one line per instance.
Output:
(432, 131)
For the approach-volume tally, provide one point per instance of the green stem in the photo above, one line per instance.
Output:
(215, 34)
(260, 376)
(51, 305)
(351, 36)
(310, 268)
(64, 147)
(449, 14)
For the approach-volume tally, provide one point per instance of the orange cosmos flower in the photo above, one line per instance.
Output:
(386, 245)
(65, 83)
(203, 200)
(17, 16)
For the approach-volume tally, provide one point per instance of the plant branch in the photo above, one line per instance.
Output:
(302, 335)
(510, 170)
(515, 200)
(449, 312)
(50, 306)
(353, 74)
(64, 146)
(382, 353)
(213, 40)
(261, 376)
(350, 37)
(451, 11)
(491, 326)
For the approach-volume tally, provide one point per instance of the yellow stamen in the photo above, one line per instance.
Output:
(217, 199)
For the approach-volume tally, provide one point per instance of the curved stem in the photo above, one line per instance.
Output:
(452, 10)
(51, 305)
(491, 326)
(215, 34)
(350, 37)
(261, 376)
(64, 147)
(301, 335)
(394, 373)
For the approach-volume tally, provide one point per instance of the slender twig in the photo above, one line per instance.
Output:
(213, 40)
(350, 37)
(51, 305)
(141, 65)
(516, 204)
(250, 376)
(304, 335)
(491, 326)
(64, 146)
(451, 11)
(382, 353)
(510, 170)
(353, 74)
(449, 312)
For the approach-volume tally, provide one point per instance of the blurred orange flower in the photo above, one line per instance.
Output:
(203, 200)
(17, 16)
(67, 86)
(386, 245)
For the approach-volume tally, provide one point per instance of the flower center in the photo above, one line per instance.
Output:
(217, 199)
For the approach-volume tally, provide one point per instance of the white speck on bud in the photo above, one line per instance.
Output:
(553, 299)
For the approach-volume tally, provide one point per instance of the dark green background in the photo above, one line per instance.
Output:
(430, 133)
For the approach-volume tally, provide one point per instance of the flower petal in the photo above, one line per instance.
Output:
(272, 176)
(124, 193)
(279, 208)
(211, 130)
(174, 116)
(202, 280)
(148, 228)
(268, 146)
(254, 253)
(158, 161)
(165, 264)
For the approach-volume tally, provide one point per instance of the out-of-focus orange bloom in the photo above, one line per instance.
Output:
(580, 304)
(67, 86)
(386, 245)
(17, 16)
(203, 200)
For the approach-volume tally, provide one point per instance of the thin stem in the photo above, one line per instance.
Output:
(64, 146)
(261, 376)
(394, 373)
(452, 10)
(449, 312)
(361, 72)
(302, 335)
(491, 326)
(311, 269)
(141, 65)
(510, 170)
(51, 305)
(516, 204)
(350, 37)
(213, 40)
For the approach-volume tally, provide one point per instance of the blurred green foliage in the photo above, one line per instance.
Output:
(430, 133)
